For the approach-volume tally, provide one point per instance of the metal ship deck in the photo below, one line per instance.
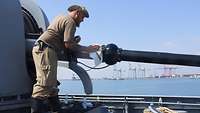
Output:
(137, 103)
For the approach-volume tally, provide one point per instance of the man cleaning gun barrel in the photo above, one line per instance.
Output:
(60, 36)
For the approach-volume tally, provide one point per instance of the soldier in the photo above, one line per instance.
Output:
(60, 36)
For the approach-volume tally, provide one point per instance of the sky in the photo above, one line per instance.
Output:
(144, 25)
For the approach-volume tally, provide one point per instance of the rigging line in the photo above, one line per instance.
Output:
(90, 68)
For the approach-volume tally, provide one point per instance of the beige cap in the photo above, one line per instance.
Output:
(81, 8)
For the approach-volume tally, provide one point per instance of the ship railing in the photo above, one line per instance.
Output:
(129, 102)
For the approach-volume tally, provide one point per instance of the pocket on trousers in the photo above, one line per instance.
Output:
(43, 79)
(49, 78)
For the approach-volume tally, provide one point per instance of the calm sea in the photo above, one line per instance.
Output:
(161, 86)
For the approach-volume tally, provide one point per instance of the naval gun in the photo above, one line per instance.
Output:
(29, 22)
(22, 23)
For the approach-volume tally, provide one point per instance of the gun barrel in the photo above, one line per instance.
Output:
(160, 58)
(113, 54)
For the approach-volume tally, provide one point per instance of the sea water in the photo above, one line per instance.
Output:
(155, 86)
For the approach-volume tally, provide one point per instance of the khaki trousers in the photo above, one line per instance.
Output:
(46, 72)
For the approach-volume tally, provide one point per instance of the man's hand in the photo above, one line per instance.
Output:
(93, 48)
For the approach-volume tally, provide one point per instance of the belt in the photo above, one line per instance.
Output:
(42, 45)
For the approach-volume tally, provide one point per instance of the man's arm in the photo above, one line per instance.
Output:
(72, 45)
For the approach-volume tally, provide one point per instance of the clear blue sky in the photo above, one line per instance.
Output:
(150, 25)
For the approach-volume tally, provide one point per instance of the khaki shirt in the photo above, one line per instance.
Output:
(62, 29)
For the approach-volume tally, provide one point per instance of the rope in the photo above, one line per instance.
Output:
(90, 68)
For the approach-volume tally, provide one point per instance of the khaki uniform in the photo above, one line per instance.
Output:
(62, 29)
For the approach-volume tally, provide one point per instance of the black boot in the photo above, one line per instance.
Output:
(54, 103)
(39, 106)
